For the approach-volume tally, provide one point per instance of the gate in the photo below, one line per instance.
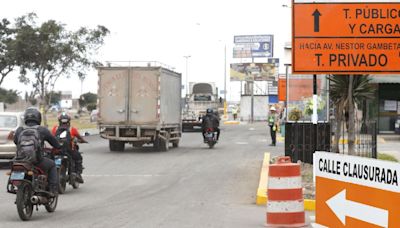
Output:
(303, 139)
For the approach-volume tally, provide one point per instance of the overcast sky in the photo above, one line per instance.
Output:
(164, 31)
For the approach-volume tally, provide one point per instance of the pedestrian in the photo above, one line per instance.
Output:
(234, 113)
(273, 124)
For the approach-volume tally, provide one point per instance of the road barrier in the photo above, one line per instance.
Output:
(285, 206)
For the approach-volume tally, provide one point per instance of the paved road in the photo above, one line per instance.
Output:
(189, 186)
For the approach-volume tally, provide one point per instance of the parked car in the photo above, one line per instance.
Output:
(9, 122)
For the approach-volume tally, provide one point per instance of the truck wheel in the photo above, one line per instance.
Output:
(175, 144)
(116, 145)
(164, 145)
(156, 144)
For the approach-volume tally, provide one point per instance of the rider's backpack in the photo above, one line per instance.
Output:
(29, 145)
(64, 138)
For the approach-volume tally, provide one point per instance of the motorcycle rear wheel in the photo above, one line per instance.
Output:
(52, 204)
(23, 201)
(62, 176)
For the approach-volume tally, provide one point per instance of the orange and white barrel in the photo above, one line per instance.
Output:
(285, 205)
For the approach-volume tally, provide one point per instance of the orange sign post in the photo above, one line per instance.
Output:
(333, 37)
(356, 192)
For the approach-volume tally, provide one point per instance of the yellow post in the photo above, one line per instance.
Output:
(225, 108)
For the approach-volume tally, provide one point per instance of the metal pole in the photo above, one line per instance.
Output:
(315, 100)
(187, 73)
(315, 115)
(225, 73)
(287, 92)
(225, 104)
(252, 94)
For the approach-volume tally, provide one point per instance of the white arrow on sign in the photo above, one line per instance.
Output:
(343, 207)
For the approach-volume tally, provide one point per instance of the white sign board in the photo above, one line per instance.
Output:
(353, 191)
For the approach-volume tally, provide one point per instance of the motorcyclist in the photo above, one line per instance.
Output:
(33, 117)
(64, 121)
(210, 120)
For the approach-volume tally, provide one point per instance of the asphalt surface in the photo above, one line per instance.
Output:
(189, 186)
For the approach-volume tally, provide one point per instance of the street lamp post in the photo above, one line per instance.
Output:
(225, 73)
(187, 82)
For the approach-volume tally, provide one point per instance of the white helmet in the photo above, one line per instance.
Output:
(272, 108)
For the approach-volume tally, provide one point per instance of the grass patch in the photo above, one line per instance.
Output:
(82, 123)
(387, 157)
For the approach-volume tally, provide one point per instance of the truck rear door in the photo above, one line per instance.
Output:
(113, 90)
(144, 96)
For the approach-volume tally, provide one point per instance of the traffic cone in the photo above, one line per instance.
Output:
(285, 205)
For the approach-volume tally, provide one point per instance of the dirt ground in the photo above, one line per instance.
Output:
(307, 179)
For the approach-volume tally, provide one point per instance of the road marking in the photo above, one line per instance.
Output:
(242, 143)
(121, 175)
(346, 208)
(252, 129)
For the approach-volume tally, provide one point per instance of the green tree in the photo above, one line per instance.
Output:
(348, 92)
(87, 98)
(49, 51)
(7, 52)
(8, 96)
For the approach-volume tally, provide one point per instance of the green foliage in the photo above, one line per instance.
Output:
(87, 98)
(92, 106)
(8, 96)
(31, 98)
(339, 88)
(295, 114)
(50, 51)
(308, 106)
(387, 157)
(7, 49)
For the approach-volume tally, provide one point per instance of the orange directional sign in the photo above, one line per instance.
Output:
(356, 192)
(346, 37)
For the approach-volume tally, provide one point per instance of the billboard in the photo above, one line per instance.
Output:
(253, 46)
(253, 71)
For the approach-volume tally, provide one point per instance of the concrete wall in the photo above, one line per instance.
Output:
(260, 108)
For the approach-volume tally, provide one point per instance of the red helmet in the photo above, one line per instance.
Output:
(64, 118)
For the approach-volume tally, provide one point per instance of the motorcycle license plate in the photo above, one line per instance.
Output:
(209, 135)
(17, 176)
(58, 161)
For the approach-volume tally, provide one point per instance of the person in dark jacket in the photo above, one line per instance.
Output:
(210, 120)
(32, 117)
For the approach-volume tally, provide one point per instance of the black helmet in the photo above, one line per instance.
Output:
(64, 118)
(32, 115)
(209, 111)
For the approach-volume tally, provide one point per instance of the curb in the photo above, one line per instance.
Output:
(231, 122)
(261, 199)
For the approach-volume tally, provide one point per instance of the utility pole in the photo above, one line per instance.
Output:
(252, 93)
(187, 82)
(225, 73)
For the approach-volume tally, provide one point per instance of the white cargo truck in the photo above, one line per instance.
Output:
(203, 95)
(139, 105)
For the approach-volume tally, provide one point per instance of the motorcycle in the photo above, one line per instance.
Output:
(30, 185)
(65, 167)
(210, 137)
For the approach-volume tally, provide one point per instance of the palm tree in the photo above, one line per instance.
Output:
(343, 87)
